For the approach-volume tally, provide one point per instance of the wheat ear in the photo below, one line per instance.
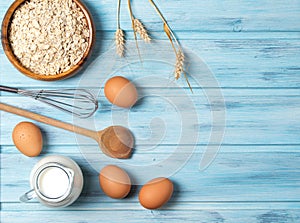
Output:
(120, 42)
(179, 64)
(141, 30)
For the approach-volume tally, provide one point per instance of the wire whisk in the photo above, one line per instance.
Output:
(78, 102)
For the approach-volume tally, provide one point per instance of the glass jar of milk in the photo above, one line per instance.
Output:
(56, 181)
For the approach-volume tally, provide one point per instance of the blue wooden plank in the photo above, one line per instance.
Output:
(231, 16)
(197, 216)
(232, 177)
(253, 63)
(252, 48)
(253, 117)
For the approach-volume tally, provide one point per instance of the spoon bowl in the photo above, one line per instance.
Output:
(116, 141)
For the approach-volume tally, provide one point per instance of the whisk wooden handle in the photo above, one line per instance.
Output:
(48, 121)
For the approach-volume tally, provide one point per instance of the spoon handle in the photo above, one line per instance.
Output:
(49, 121)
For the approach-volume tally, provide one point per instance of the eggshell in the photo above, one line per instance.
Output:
(156, 193)
(28, 139)
(121, 92)
(114, 182)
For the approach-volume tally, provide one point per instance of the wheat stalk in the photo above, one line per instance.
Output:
(167, 28)
(134, 30)
(120, 42)
(118, 14)
(141, 30)
(179, 65)
(119, 35)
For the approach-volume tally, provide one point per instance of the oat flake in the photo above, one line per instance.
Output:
(49, 36)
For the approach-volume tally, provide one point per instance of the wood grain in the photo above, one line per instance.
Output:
(230, 178)
(258, 63)
(253, 50)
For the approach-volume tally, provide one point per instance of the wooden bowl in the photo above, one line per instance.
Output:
(12, 58)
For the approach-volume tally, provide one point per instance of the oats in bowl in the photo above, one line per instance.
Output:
(48, 37)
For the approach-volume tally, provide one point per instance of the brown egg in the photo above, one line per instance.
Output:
(156, 193)
(114, 182)
(121, 92)
(28, 139)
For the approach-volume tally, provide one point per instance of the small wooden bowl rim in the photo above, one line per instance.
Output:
(10, 55)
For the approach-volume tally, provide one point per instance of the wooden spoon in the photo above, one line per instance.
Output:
(115, 141)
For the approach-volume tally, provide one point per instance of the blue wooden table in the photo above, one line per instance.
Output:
(251, 48)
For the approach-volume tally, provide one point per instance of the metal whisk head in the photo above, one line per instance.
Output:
(78, 102)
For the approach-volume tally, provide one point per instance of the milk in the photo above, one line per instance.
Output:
(56, 181)
(53, 182)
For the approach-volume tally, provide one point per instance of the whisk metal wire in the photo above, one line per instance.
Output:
(78, 102)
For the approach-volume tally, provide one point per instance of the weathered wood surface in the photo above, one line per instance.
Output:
(253, 50)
